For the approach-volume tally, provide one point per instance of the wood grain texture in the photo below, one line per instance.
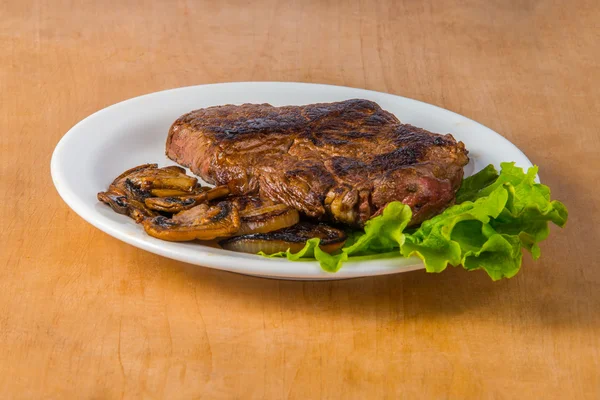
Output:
(85, 316)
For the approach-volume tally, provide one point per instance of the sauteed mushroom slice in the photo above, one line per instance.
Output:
(128, 191)
(203, 222)
(120, 203)
(163, 179)
(179, 203)
(116, 199)
(141, 181)
(133, 170)
(261, 216)
(139, 212)
(293, 238)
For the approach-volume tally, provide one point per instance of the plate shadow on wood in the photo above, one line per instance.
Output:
(411, 296)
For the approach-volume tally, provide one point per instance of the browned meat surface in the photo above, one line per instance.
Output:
(341, 161)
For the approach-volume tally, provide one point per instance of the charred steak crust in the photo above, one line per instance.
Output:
(342, 161)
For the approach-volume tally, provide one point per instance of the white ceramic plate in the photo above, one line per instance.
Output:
(133, 132)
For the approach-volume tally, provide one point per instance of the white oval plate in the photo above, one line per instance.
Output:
(133, 132)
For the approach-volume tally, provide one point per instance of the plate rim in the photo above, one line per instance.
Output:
(227, 262)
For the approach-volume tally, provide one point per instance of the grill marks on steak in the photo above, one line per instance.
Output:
(341, 161)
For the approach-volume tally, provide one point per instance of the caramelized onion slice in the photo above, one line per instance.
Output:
(293, 238)
(261, 216)
(202, 222)
(181, 203)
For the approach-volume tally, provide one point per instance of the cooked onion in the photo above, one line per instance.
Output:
(242, 244)
(267, 219)
(293, 238)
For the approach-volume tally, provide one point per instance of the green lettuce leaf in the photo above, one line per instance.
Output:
(438, 244)
(473, 184)
(496, 216)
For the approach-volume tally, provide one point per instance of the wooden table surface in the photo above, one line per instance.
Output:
(83, 315)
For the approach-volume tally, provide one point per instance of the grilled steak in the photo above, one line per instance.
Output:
(341, 161)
